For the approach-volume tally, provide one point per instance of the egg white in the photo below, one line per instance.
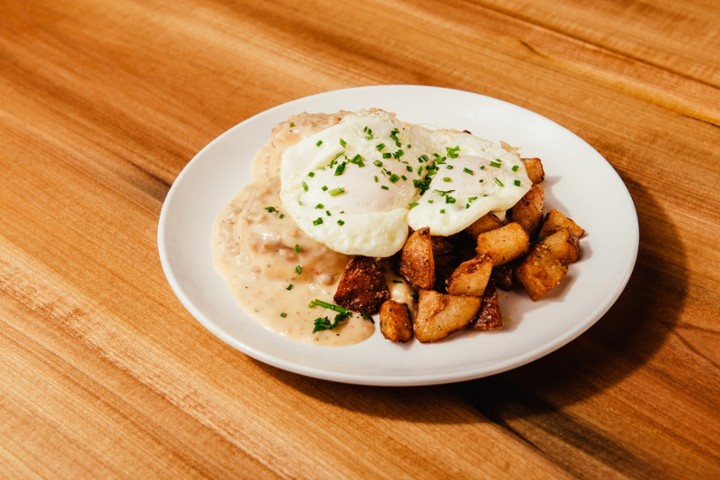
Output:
(358, 185)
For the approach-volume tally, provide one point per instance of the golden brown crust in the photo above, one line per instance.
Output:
(440, 314)
(395, 322)
(362, 287)
(417, 260)
(528, 211)
(489, 317)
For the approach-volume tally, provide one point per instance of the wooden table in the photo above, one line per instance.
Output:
(105, 375)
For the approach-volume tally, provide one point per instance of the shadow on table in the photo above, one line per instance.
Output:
(623, 340)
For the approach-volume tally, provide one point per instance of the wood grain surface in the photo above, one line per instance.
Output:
(103, 373)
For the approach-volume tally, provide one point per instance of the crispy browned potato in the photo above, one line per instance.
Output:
(535, 170)
(540, 272)
(487, 222)
(555, 220)
(440, 314)
(471, 276)
(563, 245)
(362, 287)
(489, 317)
(395, 322)
(417, 262)
(503, 244)
(528, 211)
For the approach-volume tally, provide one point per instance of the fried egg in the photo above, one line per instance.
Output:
(358, 185)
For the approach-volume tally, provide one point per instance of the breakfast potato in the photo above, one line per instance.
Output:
(395, 322)
(555, 220)
(563, 245)
(489, 316)
(441, 314)
(487, 222)
(471, 276)
(528, 211)
(362, 287)
(503, 244)
(547, 263)
(540, 272)
(417, 261)
(535, 170)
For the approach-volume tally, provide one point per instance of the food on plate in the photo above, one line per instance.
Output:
(362, 287)
(417, 260)
(503, 244)
(395, 321)
(440, 314)
(353, 214)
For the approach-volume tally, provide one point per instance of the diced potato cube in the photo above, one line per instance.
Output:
(489, 317)
(487, 222)
(471, 276)
(362, 287)
(440, 314)
(555, 220)
(528, 211)
(395, 322)
(417, 262)
(535, 170)
(504, 244)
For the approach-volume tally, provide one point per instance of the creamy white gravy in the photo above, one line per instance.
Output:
(272, 268)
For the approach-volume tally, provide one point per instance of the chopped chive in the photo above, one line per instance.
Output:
(289, 287)
(298, 269)
(378, 163)
(283, 314)
(442, 210)
(319, 206)
(324, 188)
(318, 221)
(515, 168)
(468, 171)
(271, 209)
(496, 163)
(453, 152)
(311, 174)
(343, 143)
(517, 183)
(340, 169)
(331, 306)
(385, 187)
(499, 183)
(447, 179)
(394, 178)
(297, 248)
(305, 186)
(319, 142)
(380, 147)
(336, 191)
(341, 222)
(413, 204)
(387, 155)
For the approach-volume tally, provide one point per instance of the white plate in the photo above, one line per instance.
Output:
(579, 181)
